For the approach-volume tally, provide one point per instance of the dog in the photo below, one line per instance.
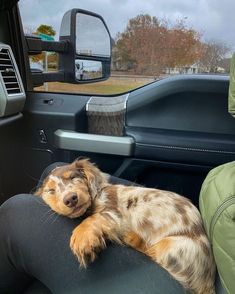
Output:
(161, 224)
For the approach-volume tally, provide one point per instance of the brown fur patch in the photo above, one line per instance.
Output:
(111, 203)
(173, 264)
(187, 202)
(193, 233)
(135, 241)
(159, 248)
(188, 271)
(50, 185)
(147, 198)
(67, 174)
(173, 219)
(205, 248)
(146, 224)
(196, 230)
(132, 202)
(135, 201)
(180, 209)
(52, 202)
(185, 220)
(129, 203)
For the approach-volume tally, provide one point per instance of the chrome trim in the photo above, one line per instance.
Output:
(125, 102)
(87, 104)
(107, 103)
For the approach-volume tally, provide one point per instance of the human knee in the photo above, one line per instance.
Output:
(15, 205)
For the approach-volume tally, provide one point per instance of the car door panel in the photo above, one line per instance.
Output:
(196, 103)
(182, 119)
(181, 129)
(182, 146)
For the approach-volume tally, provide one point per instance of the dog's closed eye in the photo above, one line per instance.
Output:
(73, 175)
(50, 191)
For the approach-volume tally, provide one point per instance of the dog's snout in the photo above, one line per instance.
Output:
(71, 200)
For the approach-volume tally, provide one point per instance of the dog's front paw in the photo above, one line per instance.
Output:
(85, 244)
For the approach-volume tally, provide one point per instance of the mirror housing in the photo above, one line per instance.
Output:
(89, 53)
(84, 49)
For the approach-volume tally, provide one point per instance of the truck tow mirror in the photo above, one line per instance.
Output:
(89, 55)
(84, 49)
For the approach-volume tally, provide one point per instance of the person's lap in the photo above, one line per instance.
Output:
(34, 244)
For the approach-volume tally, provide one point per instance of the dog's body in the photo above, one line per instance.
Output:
(161, 224)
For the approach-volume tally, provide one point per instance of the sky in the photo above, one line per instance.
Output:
(214, 19)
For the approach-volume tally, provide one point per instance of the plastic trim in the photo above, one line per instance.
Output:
(71, 140)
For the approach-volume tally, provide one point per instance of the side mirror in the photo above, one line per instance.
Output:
(84, 49)
(88, 58)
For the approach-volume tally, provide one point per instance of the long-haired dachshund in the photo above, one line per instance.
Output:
(161, 224)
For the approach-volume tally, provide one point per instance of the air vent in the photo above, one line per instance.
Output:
(8, 72)
(12, 95)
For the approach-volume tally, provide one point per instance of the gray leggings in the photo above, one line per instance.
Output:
(34, 246)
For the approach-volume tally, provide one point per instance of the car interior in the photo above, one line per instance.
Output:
(168, 134)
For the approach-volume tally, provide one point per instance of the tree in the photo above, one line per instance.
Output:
(183, 46)
(45, 29)
(225, 64)
(137, 45)
(29, 30)
(213, 54)
(149, 45)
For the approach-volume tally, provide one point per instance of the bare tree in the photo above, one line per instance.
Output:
(213, 54)
(29, 30)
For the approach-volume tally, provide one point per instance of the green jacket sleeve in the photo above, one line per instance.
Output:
(231, 97)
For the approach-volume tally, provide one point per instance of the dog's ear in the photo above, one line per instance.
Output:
(92, 174)
(38, 192)
(82, 163)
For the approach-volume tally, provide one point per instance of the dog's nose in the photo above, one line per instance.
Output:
(71, 200)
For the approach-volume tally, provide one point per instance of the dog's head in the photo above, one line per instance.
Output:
(70, 189)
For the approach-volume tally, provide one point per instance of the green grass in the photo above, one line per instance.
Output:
(111, 86)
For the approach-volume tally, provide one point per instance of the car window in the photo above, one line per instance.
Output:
(150, 40)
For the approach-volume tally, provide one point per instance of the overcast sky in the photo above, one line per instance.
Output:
(215, 19)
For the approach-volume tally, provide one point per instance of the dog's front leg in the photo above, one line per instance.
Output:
(89, 237)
